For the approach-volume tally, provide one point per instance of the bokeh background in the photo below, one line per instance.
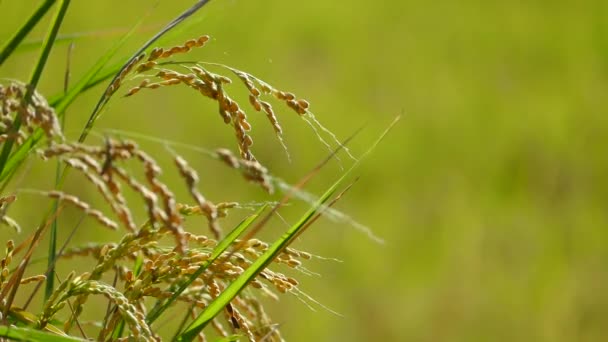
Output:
(491, 192)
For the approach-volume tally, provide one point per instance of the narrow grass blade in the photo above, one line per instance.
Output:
(216, 306)
(12, 43)
(219, 249)
(31, 334)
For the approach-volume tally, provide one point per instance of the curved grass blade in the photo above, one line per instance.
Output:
(262, 262)
(46, 50)
(12, 44)
(219, 249)
(30, 334)
(105, 97)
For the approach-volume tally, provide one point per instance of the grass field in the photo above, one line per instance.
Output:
(491, 192)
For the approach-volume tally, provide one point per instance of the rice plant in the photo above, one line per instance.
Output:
(215, 279)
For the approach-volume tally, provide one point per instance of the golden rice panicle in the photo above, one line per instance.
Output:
(95, 250)
(155, 213)
(117, 203)
(32, 112)
(85, 207)
(281, 282)
(135, 319)
(255, 172)
(145, 66)
(152, 63)
(123, 74)
(227, 157)
(208, 208)
(146, 84)
(186, 47)
(134, 90)
(88, 160)
(259, 105)
(60, 149)
(172, 217)
(232, 113)
(254, 97)
(209, 77)
(241, 127)
(252, 171)
(201, 240)
(300, 106)
(248, 81)
(155, 54)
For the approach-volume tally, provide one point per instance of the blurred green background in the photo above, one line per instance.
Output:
(491, 193)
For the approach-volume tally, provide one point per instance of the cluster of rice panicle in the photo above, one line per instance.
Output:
(164, 268)
(157, 73)
(21, 113)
